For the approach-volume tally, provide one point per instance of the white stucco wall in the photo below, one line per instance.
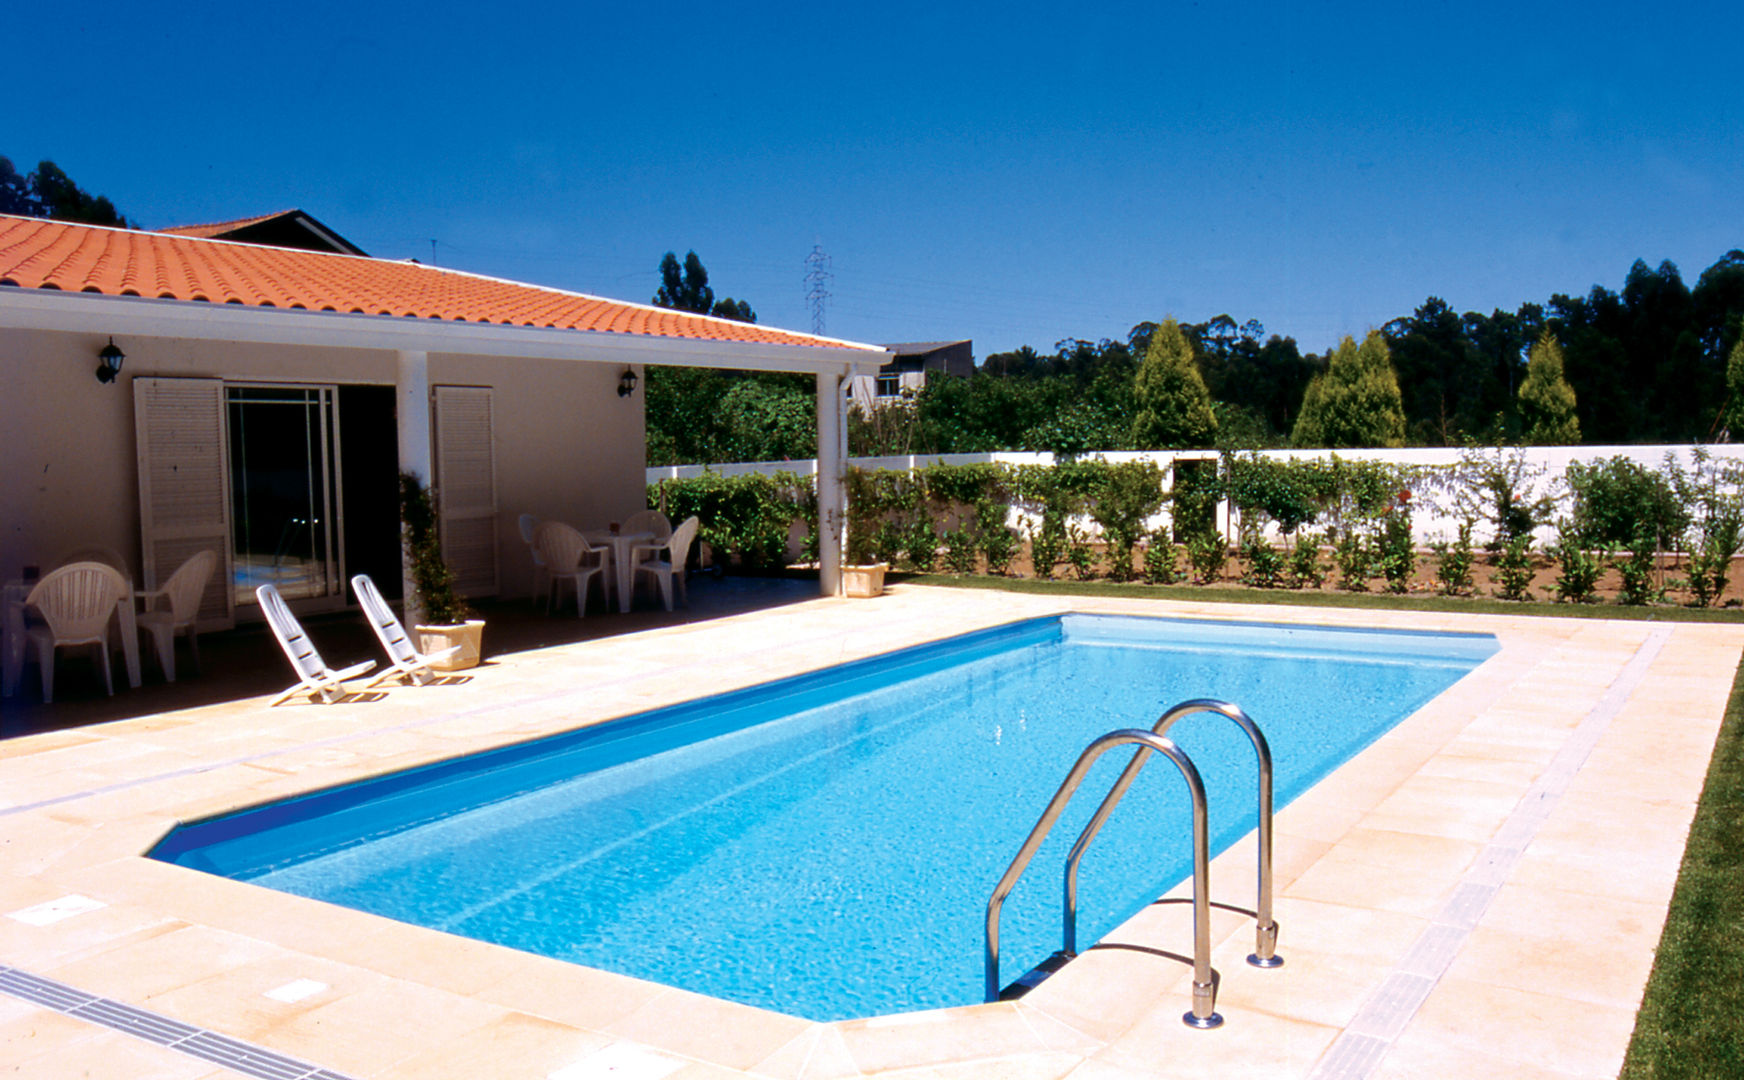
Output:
(1432, 516)
(567, 446)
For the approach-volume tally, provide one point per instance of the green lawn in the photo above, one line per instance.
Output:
(1691, 1023)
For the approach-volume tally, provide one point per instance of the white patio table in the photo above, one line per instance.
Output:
(12, 635)
(621, 544)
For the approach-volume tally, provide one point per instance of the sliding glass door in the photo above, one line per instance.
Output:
(284, 477)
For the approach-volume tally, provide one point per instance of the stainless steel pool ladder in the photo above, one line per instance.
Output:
(1265, 927)
(1203, 1014)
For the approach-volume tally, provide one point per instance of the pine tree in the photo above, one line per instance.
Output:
(1355, 402)
(1546, 398)
(687, 289)
(1174, 408)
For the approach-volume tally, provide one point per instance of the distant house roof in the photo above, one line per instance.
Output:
(284, 228)
(921, 348)
(950, 357)
(55, 255)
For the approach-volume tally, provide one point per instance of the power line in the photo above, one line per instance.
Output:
(817, 286)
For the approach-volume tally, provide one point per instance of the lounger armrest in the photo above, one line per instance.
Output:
(442, 655)
(353, 671)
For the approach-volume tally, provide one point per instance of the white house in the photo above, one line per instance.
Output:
(267, 398)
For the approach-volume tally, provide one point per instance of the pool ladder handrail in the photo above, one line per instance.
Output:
(1265, 927)
(1203, 1013)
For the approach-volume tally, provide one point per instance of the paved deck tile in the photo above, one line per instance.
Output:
(1476, 895)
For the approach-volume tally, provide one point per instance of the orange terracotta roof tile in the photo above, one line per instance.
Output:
(218, 228)
(40, 254)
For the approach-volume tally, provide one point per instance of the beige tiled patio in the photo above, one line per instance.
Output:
(1476, 895)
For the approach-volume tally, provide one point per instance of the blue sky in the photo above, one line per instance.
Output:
(1013, 173)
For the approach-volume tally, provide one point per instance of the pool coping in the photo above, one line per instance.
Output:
(1435, 796)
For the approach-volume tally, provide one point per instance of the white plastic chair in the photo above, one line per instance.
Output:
(107, 556)
(181, 595)
(403, 658)
(671, 568)
(76, 602)
(569, 557)
(314, 677)
(648, 521)
(541, 572)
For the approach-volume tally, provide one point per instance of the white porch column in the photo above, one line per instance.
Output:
(831, 509)
(412, 415)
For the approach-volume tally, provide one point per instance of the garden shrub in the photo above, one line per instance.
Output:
(1291, 493)
(921, 544)
(1395, 554)
(1080, 555)
(1047, 544)
(1711, 558)
(1636, 572)
(962, 546)
(1453, 562)
(744, 519)
(1265, 565)
(1514, 568)
(1495, 485)
(1161, 559)
(1207, 552)
(888, 541)
(1710, 491)
(1355, 560)
(1306, 569)
(1193, 500)
(1616, 501)
(1580, 568)
(998, 539)
(1129, 493)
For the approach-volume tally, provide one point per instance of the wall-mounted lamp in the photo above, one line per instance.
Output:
(109, 362)
(627, 382)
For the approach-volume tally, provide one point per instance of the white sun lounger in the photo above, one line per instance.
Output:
(403, 658)
(315, 677)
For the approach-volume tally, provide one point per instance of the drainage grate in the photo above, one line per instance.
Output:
(245, 1058)
(1369, 1037)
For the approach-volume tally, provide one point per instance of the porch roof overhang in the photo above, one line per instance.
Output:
(98, 313)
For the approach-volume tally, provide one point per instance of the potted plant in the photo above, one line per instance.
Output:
(861, 577)
(439, 615)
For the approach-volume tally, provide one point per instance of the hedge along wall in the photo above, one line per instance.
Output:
(753, 520)
(1439, 480)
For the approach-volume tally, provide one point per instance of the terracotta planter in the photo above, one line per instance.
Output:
(863, 581)
(469, 635)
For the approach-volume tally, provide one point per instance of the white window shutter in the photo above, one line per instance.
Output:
(466, 487)
(184, 485)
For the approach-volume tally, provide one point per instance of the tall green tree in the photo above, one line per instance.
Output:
(15, 194)
(49, 193)
(1734, 418)
(1174, 408)
(1547, 403)
(1356, 402)
(1445, 383)
(700, 415)
(686, 288)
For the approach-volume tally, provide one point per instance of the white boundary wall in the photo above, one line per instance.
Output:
(1432, 517)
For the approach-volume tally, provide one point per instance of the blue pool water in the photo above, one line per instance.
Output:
(825, 845)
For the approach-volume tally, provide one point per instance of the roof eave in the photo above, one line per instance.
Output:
(95, 313)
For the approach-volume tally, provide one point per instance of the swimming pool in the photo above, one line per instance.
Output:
(825, 845)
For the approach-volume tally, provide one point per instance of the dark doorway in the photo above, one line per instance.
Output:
(369, 477)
